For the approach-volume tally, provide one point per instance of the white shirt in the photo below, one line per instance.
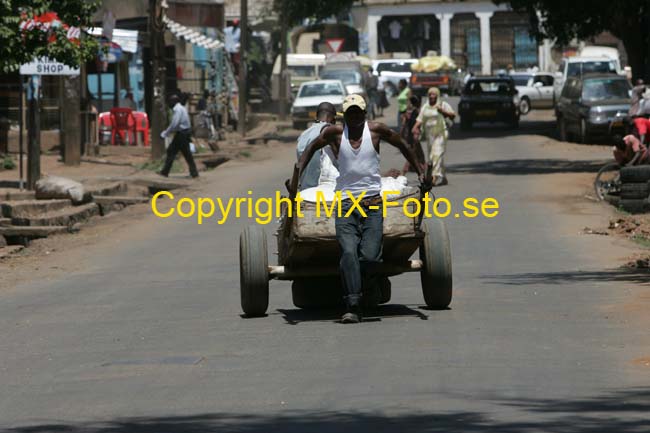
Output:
(395, 29)
(232, 36)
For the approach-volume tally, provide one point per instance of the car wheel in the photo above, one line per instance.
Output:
(584, 134)
(524, 106)
(514, 123)
(561, 126)
(465, 124)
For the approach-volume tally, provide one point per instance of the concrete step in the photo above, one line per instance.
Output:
(5, 222)
(9, 194)
(60, 217)
(23, 235)
(114, 203)
(107, 188)
(27, 208)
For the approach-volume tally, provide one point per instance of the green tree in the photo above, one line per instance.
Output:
(298, 10)
(562, 20)
(27, 32)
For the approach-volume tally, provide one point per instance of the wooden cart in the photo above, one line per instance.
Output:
(308, 255)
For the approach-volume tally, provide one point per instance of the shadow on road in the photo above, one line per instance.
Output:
(640, 276)
(620, 412)
(545, 128)
(296, 316)
(527, 166)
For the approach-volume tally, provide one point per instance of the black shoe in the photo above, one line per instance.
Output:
(160, 173)
(350, 318)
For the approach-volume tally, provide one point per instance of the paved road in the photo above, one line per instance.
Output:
(146, 336)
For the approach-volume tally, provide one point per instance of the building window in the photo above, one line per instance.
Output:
(512, 45)
(412, 34)
(466, 41)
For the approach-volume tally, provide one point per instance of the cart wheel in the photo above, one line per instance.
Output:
(315, 293)
(253, 271)
(385, 290)
(435, 254)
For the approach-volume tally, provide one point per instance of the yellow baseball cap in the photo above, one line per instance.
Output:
(354, 101)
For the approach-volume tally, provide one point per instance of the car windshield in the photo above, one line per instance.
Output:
(521, 80)
(497, 87)
(605, 88)
(320, 89)
(598, 67)
(348, 77)
(302, 71)
(393, 67)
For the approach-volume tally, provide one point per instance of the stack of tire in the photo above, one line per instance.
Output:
(635, 189)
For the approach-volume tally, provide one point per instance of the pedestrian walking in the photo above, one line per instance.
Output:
(402, 101)
(180, 125)
(372, 83)
(432, 125)
(408, 122)
(360, 234)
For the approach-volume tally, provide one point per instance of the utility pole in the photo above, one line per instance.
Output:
(33, 132)
(157, 48)
(243, 67)
(71, 119)
(283, 61)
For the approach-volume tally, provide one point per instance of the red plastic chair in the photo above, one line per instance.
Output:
(122, 121)
(142, 126)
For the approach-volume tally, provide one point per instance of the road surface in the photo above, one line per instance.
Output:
(144, 333)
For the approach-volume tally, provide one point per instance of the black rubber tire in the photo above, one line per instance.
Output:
(635, 191)
(561, 128)
(524, 106)
(253, 271)
(386, 290)
(583, 137)
(637, 173)
(436, 273)
(465, 124)
(612, 166)
(635, 206)
(317, 293)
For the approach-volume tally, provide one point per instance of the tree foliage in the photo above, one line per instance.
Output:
(563, 20)
(298, 10)
(26, 31)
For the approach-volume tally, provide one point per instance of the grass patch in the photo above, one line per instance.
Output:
(245, 154)
(158, 164)
(8, 163)
(641, 240)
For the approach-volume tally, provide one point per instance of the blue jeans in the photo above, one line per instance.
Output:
(360, 239)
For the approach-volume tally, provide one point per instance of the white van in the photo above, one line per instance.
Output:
(301, 68)
(577, 66)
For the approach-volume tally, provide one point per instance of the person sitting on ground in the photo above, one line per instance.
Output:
(631, 151)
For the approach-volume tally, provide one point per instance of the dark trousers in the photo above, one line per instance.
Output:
(360, 239)
(180, 143)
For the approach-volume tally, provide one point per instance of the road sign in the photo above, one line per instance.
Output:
(45, 66)
(335, 44)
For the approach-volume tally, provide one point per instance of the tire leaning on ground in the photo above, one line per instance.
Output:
(635, 191)
(253, 271)
(436, 274)
(637, 173)
(635, 206)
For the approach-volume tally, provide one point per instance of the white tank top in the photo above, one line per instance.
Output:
(358, 169)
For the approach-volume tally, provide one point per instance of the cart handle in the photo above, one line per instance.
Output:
(292, 184)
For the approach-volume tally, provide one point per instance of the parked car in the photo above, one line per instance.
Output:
(492, 99)
(535, 90)
(313, 93)
(578, 66)
(589, 104)
(350, 73)
(421, 82)
(391, 71)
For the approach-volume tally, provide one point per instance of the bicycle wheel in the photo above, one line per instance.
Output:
(608, 180)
